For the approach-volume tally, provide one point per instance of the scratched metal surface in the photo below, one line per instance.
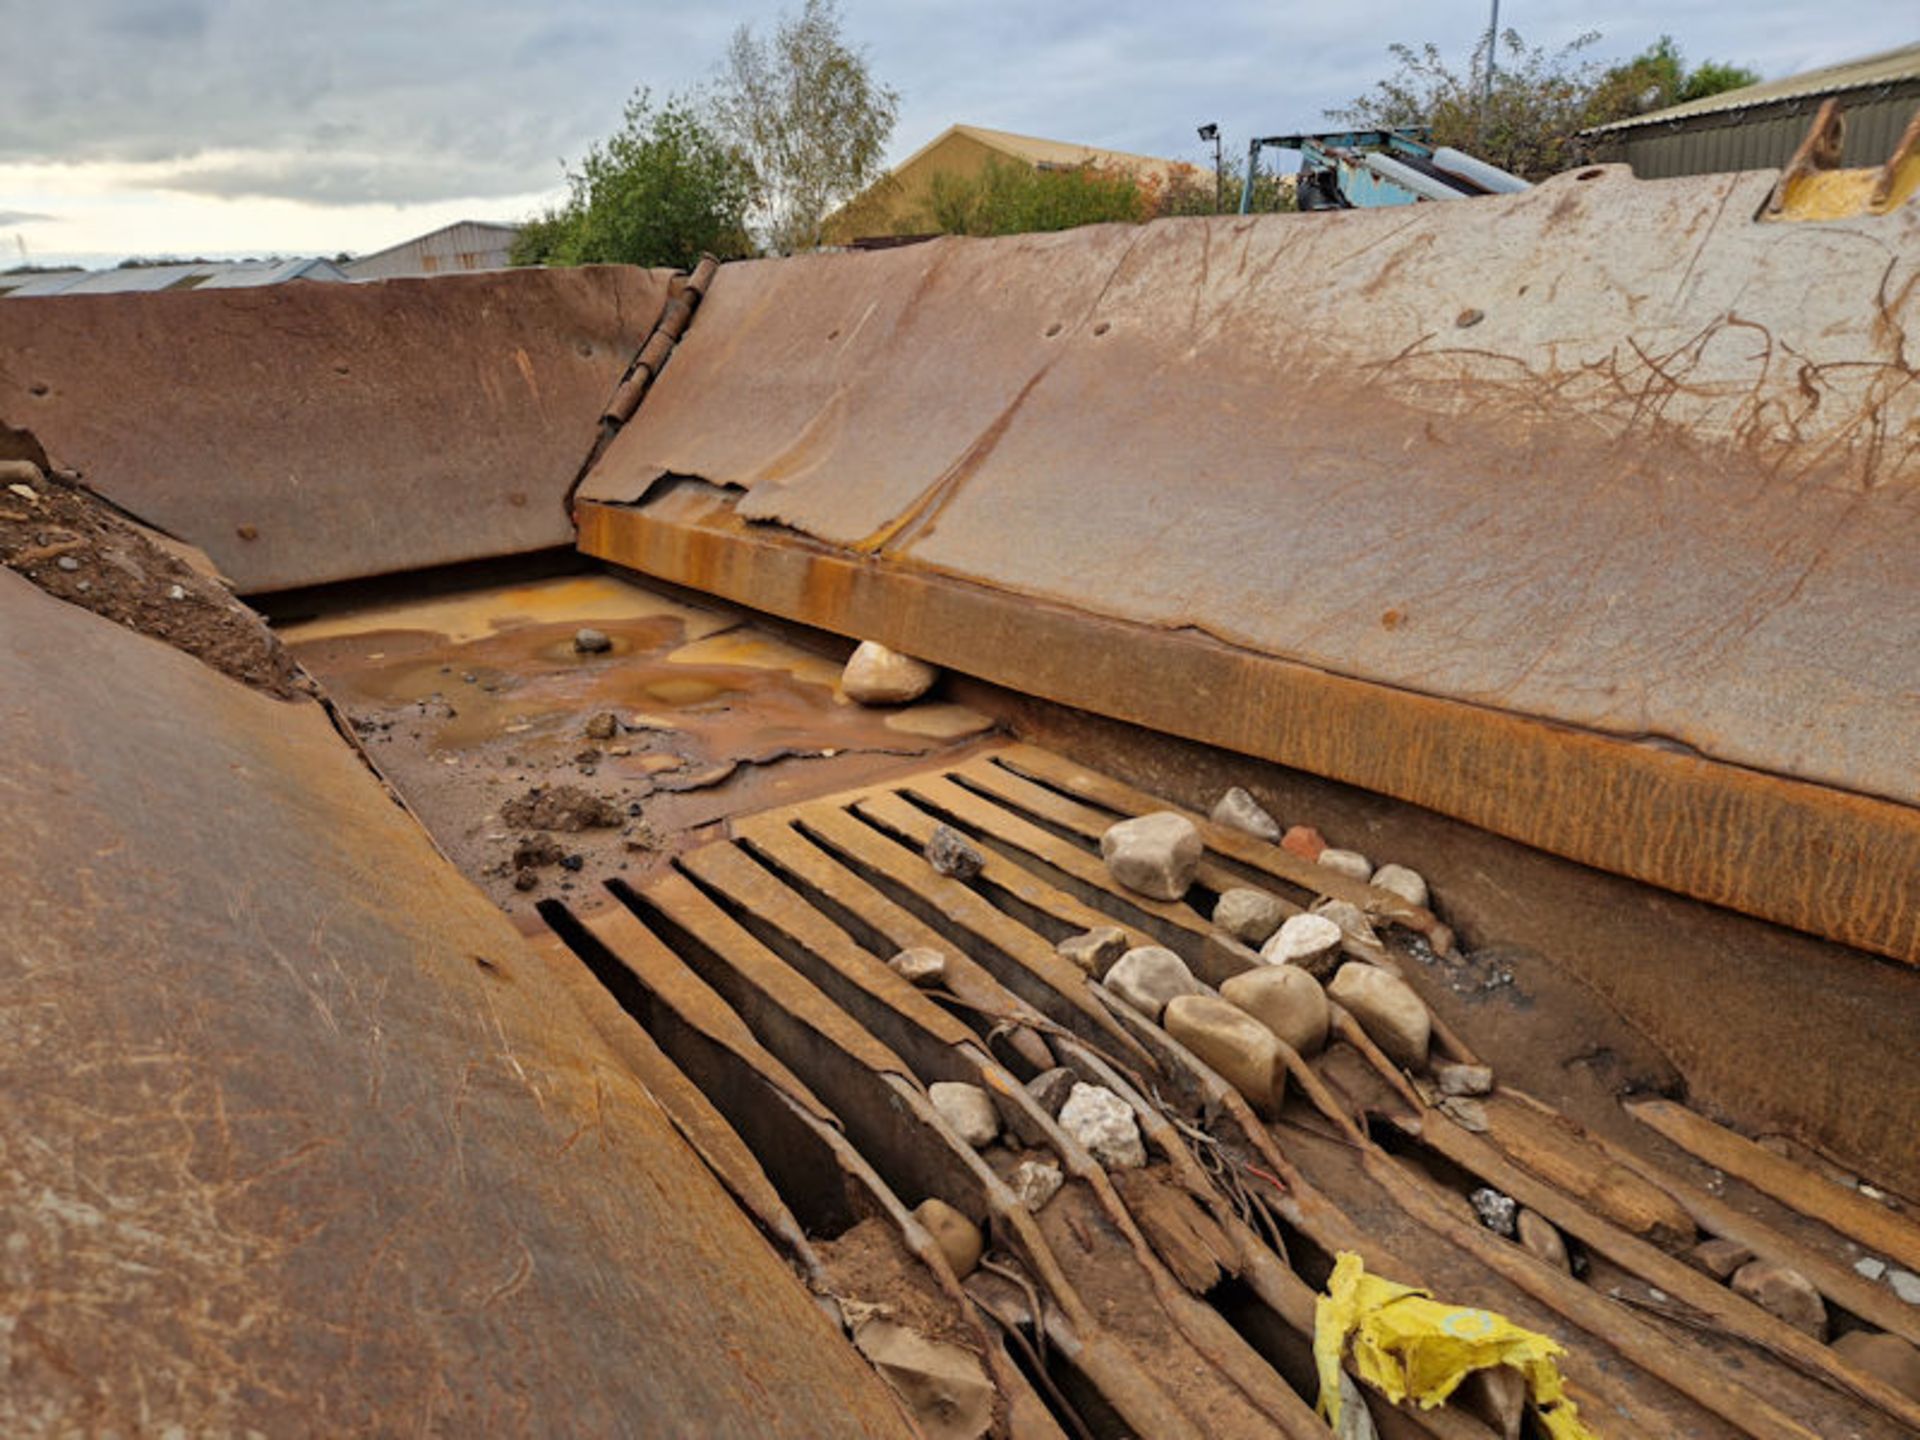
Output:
(1608, 453)
(299, 1138)
(309, 432)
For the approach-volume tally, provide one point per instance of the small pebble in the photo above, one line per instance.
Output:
(1870, 1268)
(67, 563)
(1499, 1213)
(875, 675)
(1035, 1182)
(1094, 951)
(1463, 1079)
(176, 592)
(602, 726)
(1309, 941)
(1240, 811)
(958, 1237)
(1304, 841)
(1156, 855)
(920, 966)
(1906, 1285)
(950, 853)
(1405, 883)
(1350, 863)
(1147, 978)
(1250, 916)
(968, 1109)
(1103, 1124)
(588, 641)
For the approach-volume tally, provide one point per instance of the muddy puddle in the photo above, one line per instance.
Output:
(474, 704)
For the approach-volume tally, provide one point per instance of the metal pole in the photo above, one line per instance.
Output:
(1493, 46)
(1253, 166)
(1219, 175)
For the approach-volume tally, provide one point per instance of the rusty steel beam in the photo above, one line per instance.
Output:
(1819, 859)
(299, 1135)
(309, 432)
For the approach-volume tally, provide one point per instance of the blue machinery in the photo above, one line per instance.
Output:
(1360, 169)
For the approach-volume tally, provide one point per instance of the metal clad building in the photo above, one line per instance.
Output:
(1759, 126)
(461, 246)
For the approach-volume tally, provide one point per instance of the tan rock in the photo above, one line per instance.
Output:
(876, 675)
(1388, 1010)
(1285, 999)
(1887, 1357)
(1094, 951)
(1249, 916)
(1035, 1182)
(1238, 1048)
(1155, 855)
(1787, 1293)
(1351, 919)
(943, 1385)
(1463, 1080)
(920, 966)
(1310, 941)
(1147, 978)
(1540, 1238)
(958, 1237)
(1240, 811)
(1409, 885)
(968, 1109)
(1719, 1258)
(1350, 863)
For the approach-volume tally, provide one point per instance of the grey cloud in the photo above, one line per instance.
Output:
(363, 100)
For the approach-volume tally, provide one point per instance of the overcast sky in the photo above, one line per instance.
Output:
(235, 126)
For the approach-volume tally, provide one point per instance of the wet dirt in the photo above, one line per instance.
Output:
(869, 1264)
(543, 771)
(76, 547)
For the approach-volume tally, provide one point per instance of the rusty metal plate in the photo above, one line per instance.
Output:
(1608, 453)
(299, 1136)
(309, 432)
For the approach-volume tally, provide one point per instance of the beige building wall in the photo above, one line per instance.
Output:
(900, 204)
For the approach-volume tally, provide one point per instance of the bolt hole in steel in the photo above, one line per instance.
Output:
(1102, 328)
(1593, 174)
(1467, 318)
(39, 387)
(833, 334)
(1053, 329)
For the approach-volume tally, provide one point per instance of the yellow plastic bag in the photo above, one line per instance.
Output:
(1406, 1343)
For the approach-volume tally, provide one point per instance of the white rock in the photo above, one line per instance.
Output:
(1035, 1182)
(1348, 862)
(1285, 999)
(1407, 884)
(1250, 916)
(1309, 941)
(1351, 919)
(1102, 1123)
(920, 966)
(1156, 855)
(968, 1109)
(1905, 1284)
(876, 675)
(1147, 978)
(1240, 811)
(1464, 1079)
(1387, 1009)
(1870, 1268)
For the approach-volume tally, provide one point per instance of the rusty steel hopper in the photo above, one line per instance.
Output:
(1563, 544)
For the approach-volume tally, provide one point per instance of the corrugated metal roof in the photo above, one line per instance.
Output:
(1871, 70)
(463, 245)
(187, 275)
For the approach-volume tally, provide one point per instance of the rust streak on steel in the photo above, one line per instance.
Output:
(300, 1137)
(1837, 864)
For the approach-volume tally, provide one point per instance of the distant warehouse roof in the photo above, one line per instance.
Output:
(463, 245)
(1758, 126)
(185, 275)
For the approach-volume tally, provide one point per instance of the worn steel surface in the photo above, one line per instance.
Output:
(1609, 454)
(304, 433)
(299, 1137)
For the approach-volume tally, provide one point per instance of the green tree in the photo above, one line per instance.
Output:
(807, 114)
(661, 190)
(1526, 123)
(1529, 119)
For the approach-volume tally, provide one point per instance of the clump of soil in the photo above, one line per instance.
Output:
(561, 807)
(77, 548)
